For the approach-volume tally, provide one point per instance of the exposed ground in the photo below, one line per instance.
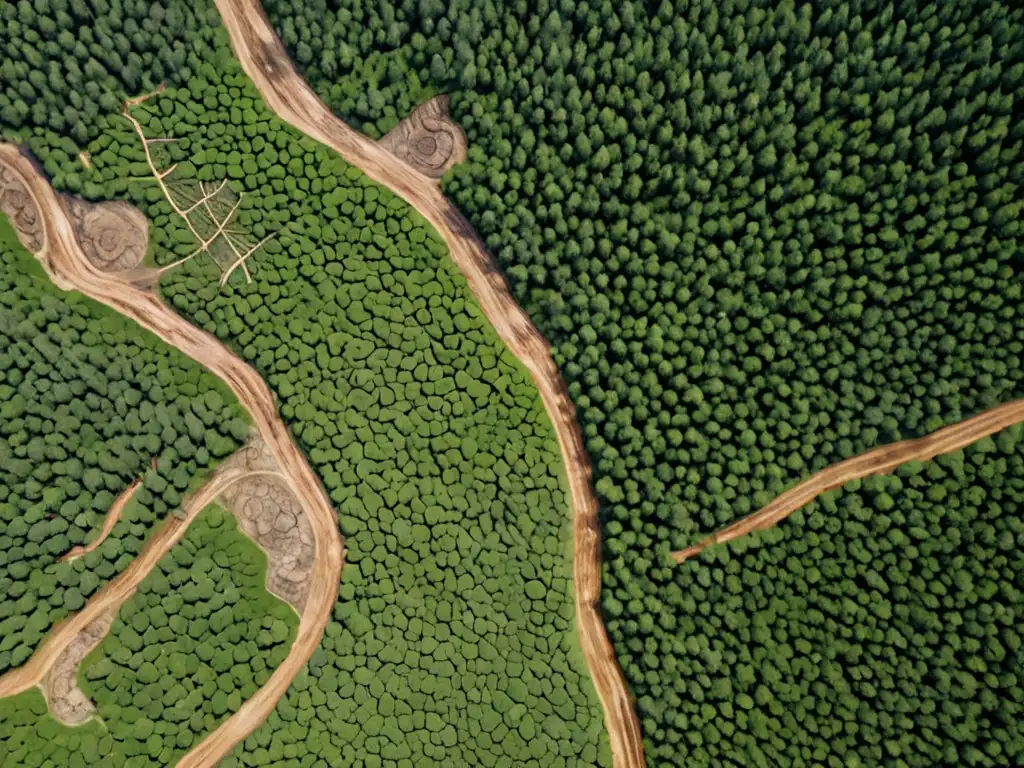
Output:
(879, 461)
(114, 593)
(114, 236)
(283, 90)
(68, 703)
(427, 139)
(49, 233)
(269, 514)
(109, 521)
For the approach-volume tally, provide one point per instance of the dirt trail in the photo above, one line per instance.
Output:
(878, 461)
(285, 92)
(115, 592)
(113, 515)
(69, 268)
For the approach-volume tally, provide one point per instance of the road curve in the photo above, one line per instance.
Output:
(285, 92)
(69, 268)
(115, 592)
(878, 461)
(112, 516)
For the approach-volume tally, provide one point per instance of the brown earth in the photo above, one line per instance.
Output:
(269, 514)
(879, 461)
(67, 702)
(51, 235)
(285, 92)
(114, 235)
(109, 521)
(427, 139)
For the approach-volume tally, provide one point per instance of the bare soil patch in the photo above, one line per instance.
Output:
(269, 514)
(427, 139)
(114, 236)
(17, 203)
(68, 703)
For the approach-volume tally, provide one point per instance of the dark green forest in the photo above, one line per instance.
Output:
(882, 625)
(199, 636)
(87, 401)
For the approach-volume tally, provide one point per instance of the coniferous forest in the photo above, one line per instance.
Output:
(761, 236)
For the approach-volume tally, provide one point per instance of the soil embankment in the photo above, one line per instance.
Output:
(265, 60)
(57, 247)
(879, 461)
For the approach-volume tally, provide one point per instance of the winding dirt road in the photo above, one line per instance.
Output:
(115, 592)
(878, 461)
(69, 268)
(112, 516)
(285, 92)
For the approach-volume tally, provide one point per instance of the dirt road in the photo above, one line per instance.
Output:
(879, 461)
(70, 269)
(112, 516)
(287, 94)
(115, 592)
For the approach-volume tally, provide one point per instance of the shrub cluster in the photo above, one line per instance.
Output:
(87, 401)
(453, 635)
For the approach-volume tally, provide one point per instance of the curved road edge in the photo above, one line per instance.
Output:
(116, 592)
(878, 461)
(284, 91)
(70, 269)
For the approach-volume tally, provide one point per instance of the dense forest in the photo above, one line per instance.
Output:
(881, 625)
(199, 636)
(87, 402)
(761, 236)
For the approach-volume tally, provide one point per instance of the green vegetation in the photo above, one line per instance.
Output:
(761, 235)
(452, 639)
(87, 401)
(881, 625)
(200, 636)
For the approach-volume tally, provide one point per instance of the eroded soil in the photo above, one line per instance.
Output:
(68, 703)
(427, 139)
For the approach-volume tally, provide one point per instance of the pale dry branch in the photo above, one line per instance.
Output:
(241, 259)
(220, 224)
(231, 243)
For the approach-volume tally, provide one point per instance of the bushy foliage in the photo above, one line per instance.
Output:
(199, 636)
(87, 401)
(65, 64)
(453, 636)
(881, 625)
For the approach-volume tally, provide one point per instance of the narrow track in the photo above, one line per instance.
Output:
(284, 91)
(115, 592)
(70, 269)
(879, 461)
(109, 521)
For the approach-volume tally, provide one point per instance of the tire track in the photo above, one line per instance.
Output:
(878, 461)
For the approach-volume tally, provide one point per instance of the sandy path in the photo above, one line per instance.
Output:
(70, 269)
(284, 91)
(878, 461)
(113, 515)
(115, 592)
